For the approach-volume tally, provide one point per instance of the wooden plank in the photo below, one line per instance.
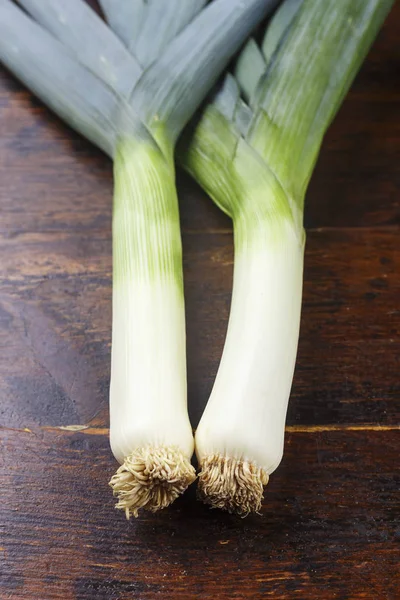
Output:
(328, 528)
(349, 352)
(55, 300)
(330, 513)
(51, 179)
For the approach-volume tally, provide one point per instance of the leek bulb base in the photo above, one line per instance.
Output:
(151, 479)
(233, 485)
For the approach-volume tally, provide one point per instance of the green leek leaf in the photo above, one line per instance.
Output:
(243, 117)
(125, 18)
(74, 23)
(161, 22)
(172, 88)
(277, 28)
(250, 66)
(227, 97)
(49, 70)
(308, 78)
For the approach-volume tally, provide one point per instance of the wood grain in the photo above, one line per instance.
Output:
(327, 531)
(355, 183)
(56, 310)
(329, 528)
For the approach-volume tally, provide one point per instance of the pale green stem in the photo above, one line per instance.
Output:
(148, 409)
(239, 441)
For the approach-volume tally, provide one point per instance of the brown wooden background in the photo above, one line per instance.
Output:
(331, 511)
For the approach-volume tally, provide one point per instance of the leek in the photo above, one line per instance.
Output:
(253, 149)
(134, 109)
(255, 159)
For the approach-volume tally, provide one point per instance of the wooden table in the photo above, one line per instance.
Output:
(328, 528)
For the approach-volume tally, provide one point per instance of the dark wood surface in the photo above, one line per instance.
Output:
(330, 523)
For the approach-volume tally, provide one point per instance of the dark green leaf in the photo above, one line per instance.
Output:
(81, 30)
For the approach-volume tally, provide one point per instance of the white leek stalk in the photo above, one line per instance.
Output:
(150, 433)
(255, 160)
(239, 441)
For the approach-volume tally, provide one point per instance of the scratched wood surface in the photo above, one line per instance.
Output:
(329, 527)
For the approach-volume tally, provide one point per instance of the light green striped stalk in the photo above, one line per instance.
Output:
(255, 161)
(151, 248)
(134, 109)
(148, 383)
